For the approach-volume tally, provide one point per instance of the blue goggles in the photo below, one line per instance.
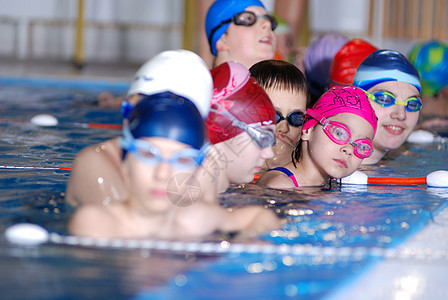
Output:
(262, 137)
(386, 99)
(150, 154)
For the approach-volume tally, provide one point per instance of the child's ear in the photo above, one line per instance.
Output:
(306, 134)
(221, 44)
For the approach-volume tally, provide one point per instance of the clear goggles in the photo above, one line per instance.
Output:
(150, 154)
(262, 137)
(386, 99)
(245, 18)
(340, 134)
(295, 118)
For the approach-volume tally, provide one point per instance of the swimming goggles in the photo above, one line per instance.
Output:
(262, 137)
(150, 154)
(340, 134)
(245, 18)
(386, 99)
(295, 118)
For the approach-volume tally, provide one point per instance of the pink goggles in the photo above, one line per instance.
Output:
(340, 134)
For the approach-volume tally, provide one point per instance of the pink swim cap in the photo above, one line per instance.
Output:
(238, 93)
(338, 100)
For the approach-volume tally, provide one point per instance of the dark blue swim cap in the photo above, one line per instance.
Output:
(170, 116)
(386, 65)
(222, 10)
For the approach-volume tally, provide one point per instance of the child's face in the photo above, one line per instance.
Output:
(285, 102)
(332, 159)
(250, 44)
(243, 157)
(149, 183)
(395, 124)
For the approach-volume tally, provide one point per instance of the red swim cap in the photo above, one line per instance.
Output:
(347, 60)
(238, 93)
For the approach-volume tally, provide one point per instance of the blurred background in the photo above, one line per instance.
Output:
(132, 31)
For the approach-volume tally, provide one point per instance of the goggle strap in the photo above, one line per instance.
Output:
(317, 116)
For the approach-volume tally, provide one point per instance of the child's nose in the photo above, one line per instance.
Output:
(282, 126)
(398, 112)
(348, 149)
(265, 22)
(164, 171)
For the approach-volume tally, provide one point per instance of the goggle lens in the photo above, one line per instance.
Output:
(338, 134)
(386, 99)
(248, 18)
(295, 118)
(182, 160)
(263, 138)
(363, 148)
(150, 154)
(245, 18)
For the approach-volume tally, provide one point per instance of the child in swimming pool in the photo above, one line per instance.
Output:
(162, 150)
(336, 137)
(241, 31)
(393, 85)
(240, 127)
(286, 86)
(96, 175)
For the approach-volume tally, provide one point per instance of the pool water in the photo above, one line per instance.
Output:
(333, 235)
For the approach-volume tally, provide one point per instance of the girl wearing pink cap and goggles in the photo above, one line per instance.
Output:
(336, 136)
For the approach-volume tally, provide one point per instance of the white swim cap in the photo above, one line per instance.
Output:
(181, 72)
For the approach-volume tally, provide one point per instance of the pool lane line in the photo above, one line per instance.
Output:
(75, 83)
(98, 125)
(75, 124)
(37, 168)
(27, 234)
(434, 179)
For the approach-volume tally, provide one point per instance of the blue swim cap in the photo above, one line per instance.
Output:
(222, 10)
(385, 65)
(170, 116)
(431, 60)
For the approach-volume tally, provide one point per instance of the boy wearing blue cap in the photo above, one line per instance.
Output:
(241, 31)
(162, 151)
(96, 175)
(393, 86)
